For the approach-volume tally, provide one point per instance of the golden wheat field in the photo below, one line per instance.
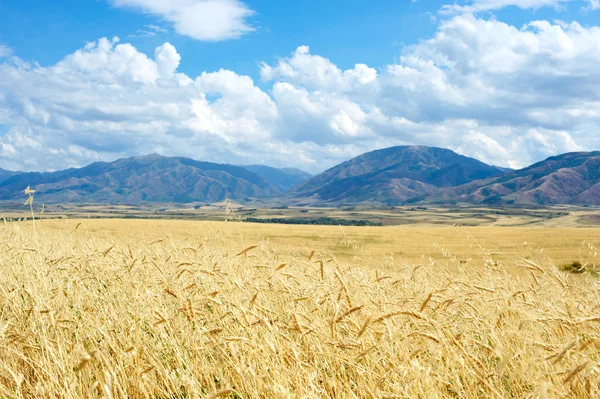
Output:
(173, 309)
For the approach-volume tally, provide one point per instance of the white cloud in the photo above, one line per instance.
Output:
(506, 95)
(314, 71)
(483, 147)
(594, 4)
(489, 5)
(5, 51)
(108, 61)
(149, 31)
(209, 20)
(167, 59)
(542, 74)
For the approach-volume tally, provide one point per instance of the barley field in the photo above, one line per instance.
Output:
(181, 309)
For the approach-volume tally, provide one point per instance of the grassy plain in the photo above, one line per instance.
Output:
(186, 309)
(556, 216)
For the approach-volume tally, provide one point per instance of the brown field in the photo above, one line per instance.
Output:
(185, 309)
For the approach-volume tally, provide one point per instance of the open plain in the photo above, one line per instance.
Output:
(113, 308)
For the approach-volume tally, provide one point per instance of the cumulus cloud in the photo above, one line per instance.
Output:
(209, 20)
(504, 94)
(318, 72)
(167, 59)
(542, 71)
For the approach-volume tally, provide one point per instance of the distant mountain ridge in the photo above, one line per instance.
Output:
(150, 178)
(570, 179)
(6, 174)
(284, 178)
(392, 176)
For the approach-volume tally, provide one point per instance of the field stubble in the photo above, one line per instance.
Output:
(153, 309)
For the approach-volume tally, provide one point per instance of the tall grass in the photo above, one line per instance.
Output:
(227, 315)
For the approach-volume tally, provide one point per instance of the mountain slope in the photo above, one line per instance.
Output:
(5, 174)
(150, 178)
(572, 178)
(393, 175)
(283, 179)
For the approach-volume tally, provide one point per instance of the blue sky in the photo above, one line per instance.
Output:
(345, 31)
(348, 32)
(295, 83)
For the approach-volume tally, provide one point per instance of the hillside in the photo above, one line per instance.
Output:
(572, 178)
(393, 176)
(150, 178)
(282, 178)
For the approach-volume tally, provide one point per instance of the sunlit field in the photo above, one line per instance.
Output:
(183, 309)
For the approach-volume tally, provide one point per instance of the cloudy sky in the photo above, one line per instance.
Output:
(302, 83)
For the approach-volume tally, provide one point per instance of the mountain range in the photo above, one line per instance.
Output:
(391, 176)
(150, 178)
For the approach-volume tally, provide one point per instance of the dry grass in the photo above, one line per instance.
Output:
(220, 310)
